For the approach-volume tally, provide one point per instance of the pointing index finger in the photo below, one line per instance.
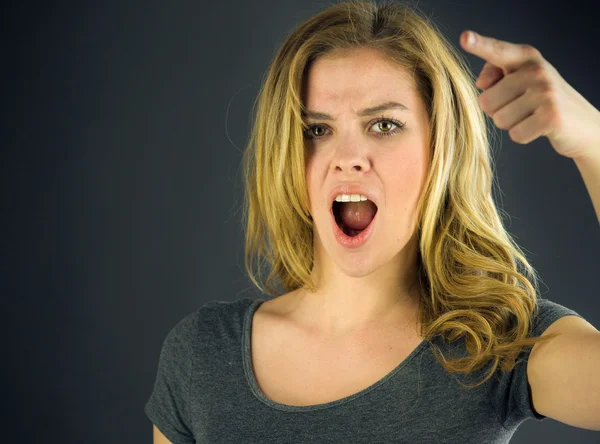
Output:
(505, 55)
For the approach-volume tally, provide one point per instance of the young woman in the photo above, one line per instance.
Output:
(408, 313)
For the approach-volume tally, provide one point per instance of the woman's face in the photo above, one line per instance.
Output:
(390, 160)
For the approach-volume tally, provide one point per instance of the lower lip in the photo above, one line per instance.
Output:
(352, 241)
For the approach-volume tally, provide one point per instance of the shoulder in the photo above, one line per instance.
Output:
(562, 373)
(547, 313)
(209, 321)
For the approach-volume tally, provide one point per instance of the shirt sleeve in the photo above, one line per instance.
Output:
(168, 406)
(510, 392)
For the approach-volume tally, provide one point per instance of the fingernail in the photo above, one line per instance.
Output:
(471, 38)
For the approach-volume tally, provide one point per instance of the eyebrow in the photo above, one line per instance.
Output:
(365, 112)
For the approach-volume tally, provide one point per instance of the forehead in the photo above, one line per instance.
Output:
(356, 76)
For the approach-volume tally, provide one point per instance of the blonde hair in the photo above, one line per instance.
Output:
(468, 263)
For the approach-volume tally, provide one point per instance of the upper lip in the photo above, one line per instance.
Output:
(348, 188)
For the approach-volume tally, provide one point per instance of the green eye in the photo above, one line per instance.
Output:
(309, 132)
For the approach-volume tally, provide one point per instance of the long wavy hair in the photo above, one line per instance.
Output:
(474, 279)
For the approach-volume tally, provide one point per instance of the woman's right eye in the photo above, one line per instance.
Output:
(308, 132)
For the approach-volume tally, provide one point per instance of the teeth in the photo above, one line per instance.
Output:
(350, 198)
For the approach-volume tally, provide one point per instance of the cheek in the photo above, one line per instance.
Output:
(405, 177)
(309, 173)
(407, 165)
(311, 178)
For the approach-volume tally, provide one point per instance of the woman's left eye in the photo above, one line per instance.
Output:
(308, 132)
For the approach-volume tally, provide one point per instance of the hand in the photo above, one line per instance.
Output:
(526, 95)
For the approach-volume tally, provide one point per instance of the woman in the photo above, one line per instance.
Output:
(408, 312)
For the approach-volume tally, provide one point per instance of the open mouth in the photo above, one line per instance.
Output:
(346, 230)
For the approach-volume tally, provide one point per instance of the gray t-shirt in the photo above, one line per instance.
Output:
(205, 392)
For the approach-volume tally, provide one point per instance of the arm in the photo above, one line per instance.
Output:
(158, 437)
(589, 167)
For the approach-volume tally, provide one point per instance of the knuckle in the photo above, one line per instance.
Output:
(554, 116)
(537, 68)
(539, 71)
(549, 94)
(531, 51)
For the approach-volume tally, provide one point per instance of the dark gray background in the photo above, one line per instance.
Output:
(123, 127)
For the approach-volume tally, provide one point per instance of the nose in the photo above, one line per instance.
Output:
(351, 158)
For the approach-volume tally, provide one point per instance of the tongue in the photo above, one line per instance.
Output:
(357, 215)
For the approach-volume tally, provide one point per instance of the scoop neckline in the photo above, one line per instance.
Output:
(252, 381)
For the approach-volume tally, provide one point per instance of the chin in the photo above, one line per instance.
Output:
(357, 264)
